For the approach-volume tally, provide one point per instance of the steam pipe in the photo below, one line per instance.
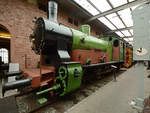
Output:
(49, 89)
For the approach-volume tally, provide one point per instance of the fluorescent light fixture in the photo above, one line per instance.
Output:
(5, 37)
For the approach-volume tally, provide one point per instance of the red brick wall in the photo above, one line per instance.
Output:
(17, 16)
(63, 18)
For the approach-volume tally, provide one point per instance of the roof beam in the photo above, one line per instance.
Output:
(125, 6)
(118, 16)
(130, 7)
(104, 16)
(78, 6)
(126, 28)
(127, 37)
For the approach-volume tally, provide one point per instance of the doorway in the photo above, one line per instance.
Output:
(5, 38)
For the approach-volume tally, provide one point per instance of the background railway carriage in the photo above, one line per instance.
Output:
(117, 48)
(129, 56)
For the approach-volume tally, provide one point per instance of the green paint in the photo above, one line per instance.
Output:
(42, 100)
(88, 61)
(68, 80)
(62, 72)
(110, 46)
(83, 41)
(57, 86)
(109, 50)
(121, 51)
(34, 2)
(85, 29)
(73, 80)
(106, 39)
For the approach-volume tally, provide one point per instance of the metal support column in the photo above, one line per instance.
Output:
(140, 76)
(138, 103)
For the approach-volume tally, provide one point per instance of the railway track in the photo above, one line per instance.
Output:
(27, 103)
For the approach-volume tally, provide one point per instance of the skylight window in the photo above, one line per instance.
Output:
(126, 17)
(126, 32)
(117, 3)
(131, 30)
(107, 23)
(119, 33)
(112, 21)
(130, 39)
(131, 43)
(102, 5)
(115, 20)
(131, 0)
(87, 6)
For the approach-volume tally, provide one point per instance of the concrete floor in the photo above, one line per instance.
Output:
(115, 96)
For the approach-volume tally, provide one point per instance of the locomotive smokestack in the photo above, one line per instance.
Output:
(52, 11)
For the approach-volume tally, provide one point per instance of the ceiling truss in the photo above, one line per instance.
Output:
(115, 11)
(125, 6)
